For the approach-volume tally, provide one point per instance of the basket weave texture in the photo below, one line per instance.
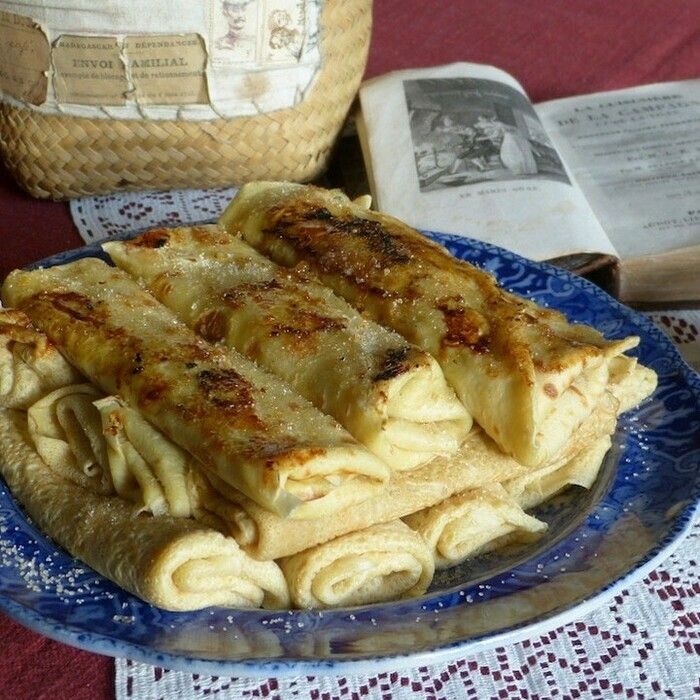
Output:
(59, 157)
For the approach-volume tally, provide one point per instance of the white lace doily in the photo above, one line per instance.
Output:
(110, 215)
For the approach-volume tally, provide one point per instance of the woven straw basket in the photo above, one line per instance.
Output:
(60, 157)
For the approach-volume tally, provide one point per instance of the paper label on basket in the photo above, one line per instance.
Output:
(24, 58)
(167, 69)
(88, 70)
(167, 59)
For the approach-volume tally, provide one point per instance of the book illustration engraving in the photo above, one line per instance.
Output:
(471, 130)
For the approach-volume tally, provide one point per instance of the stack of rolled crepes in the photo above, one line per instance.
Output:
(230, 428)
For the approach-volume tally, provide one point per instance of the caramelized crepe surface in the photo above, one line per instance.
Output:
(30, 366)
(389, 394)
(527, 375)
(247, 427)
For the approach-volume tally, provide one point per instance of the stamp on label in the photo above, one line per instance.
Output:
(167, 69)
(88, 70)
(24, 58)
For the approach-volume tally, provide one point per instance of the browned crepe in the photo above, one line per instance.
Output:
(30, 366)
(243, 424)
(477, 463)
(174, 563)
(528, 376)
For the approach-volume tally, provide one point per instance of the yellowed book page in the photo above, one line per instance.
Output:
(459, 149)
(635, 155)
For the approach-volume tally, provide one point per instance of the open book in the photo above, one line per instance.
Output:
(461, 149)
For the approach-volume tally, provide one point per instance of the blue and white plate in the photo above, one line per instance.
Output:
(599, 541)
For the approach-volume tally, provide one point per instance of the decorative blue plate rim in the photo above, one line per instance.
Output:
(265, 643)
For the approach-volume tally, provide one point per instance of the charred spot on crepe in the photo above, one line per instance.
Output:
(300, 220)
(202, 234)
(290, 305)
(81, 309)
(550, 390)
(236, 296)
(114, 423)
(227, 389)
(395, 363)
(155, 238)
(211, 325)
(153, 391)
(304, 324)
(138, 364)
(21, 331)
(73, 304)
(465, 327)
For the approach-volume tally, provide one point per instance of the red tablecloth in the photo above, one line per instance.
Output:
(554, 48)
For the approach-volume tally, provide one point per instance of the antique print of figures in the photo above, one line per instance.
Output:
(284, 33)
(258, 31)
(469, 130)
(239, 36)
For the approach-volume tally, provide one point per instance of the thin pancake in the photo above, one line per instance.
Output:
(390, 396)
(245, 426)
(478, 462)
(383, 562)
(173, 563)
(527, 375)
(473, 522)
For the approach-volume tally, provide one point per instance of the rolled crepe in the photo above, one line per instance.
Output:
(66, 430)
(473, 522)
(30, 366)
(478, 462)
(244, 425)
(174, 563)
(525, 374)
(146, 467)
(390, 396)
(383, 562)
(103, 445)
(529, 490)
(630, 383)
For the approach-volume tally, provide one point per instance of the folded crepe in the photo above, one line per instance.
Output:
(383, 562)
(630, 383)
(529, 490)
(100, 443)
(473, 522)
(145, 466)
(30, 366)
(390, 395)
(526, 375)
(173, 563)
(478, 462)
(244, 426)
(66, 430)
